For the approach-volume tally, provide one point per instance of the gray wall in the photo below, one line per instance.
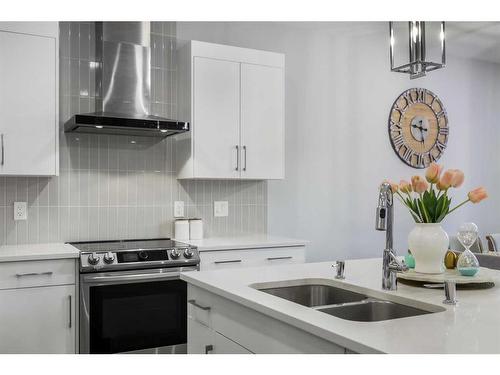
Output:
(339, 91)
(110, 188)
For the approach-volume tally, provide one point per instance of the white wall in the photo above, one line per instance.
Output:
(339, 91)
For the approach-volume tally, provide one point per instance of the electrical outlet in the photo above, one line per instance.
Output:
(179, 209)
(221, 208)
(20, 211)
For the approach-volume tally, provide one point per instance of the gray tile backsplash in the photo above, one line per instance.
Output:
(113, 187)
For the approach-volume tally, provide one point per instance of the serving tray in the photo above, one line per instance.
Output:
(481, 280)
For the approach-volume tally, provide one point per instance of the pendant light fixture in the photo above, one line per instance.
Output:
(418, 64)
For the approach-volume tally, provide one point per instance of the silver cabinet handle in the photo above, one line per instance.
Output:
(278, 258)
(227, 261)
(49, 273)
(245, 163)
(237, 158)
(196, 304)
(208, 348)
(70, 312)
(3, 153)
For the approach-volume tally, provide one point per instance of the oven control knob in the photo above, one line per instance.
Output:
(109, 258)
(174, 253)
(188, 253)
(143, 255)
(94, 259)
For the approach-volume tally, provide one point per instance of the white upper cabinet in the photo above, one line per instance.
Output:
(262, 127)
(29, 99)
(234, 100)
(216, 91)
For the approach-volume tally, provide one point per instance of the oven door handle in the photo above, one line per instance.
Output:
(139, 276)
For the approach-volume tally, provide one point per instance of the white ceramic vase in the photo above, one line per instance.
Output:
(428, 243)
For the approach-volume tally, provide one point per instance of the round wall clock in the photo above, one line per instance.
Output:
(418, 127)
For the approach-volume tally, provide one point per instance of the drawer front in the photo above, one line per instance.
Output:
(200, 306)
(200, 338)
(251, 257)
(204, 340)
(210, 260)
(279, 255)
(37, 273)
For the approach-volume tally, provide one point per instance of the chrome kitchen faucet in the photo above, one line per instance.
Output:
(384, 222)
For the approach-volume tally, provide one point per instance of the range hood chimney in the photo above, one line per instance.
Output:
(123, 82)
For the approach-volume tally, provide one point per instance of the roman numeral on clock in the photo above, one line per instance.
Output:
(420, 95)
(395, 127)
(408, 154)
(420, 160)
(398, 141)
(415, 96)
(441, 147)
(444, 130)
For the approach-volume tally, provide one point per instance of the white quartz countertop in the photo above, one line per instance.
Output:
(244, 242)
(11, 253)
(472, 326)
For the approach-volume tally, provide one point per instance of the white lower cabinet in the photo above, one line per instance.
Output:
(37, 316)
(218, 325)
(220, 259)
(38, 320)
(204, 340)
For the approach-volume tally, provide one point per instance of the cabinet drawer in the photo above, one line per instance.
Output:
(200, 306)
(204, 340)
(224, 259)
(37, 273)
(251, 257)
(279, 255)
(200, 338)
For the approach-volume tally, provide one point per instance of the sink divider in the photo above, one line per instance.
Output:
(364, 301)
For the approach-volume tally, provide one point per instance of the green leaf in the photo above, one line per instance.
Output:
(430, 205)
(446, 209)
(422, 211)
(439, 207)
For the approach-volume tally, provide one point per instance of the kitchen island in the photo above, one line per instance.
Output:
(228, 314)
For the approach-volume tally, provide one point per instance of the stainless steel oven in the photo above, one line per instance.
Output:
(136, 303)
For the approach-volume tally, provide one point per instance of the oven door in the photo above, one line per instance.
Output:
(133, 311)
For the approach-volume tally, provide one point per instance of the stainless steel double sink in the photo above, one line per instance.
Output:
(344, 303)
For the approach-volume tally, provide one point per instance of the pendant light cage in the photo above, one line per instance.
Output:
(417, 65)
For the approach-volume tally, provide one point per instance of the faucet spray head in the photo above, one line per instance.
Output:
(384, 201)
(381, 219)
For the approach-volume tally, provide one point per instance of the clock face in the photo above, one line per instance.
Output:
(418, 127)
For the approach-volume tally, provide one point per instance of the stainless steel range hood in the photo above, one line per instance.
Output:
(123, 83)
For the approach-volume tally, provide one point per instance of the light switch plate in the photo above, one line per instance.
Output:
(179, 209)
(20, 211)
(221, 208)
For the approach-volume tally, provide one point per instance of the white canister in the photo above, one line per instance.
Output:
(181, 229)
(195, 229)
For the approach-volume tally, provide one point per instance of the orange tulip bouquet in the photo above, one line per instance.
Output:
(428, 202)
(427, 199)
